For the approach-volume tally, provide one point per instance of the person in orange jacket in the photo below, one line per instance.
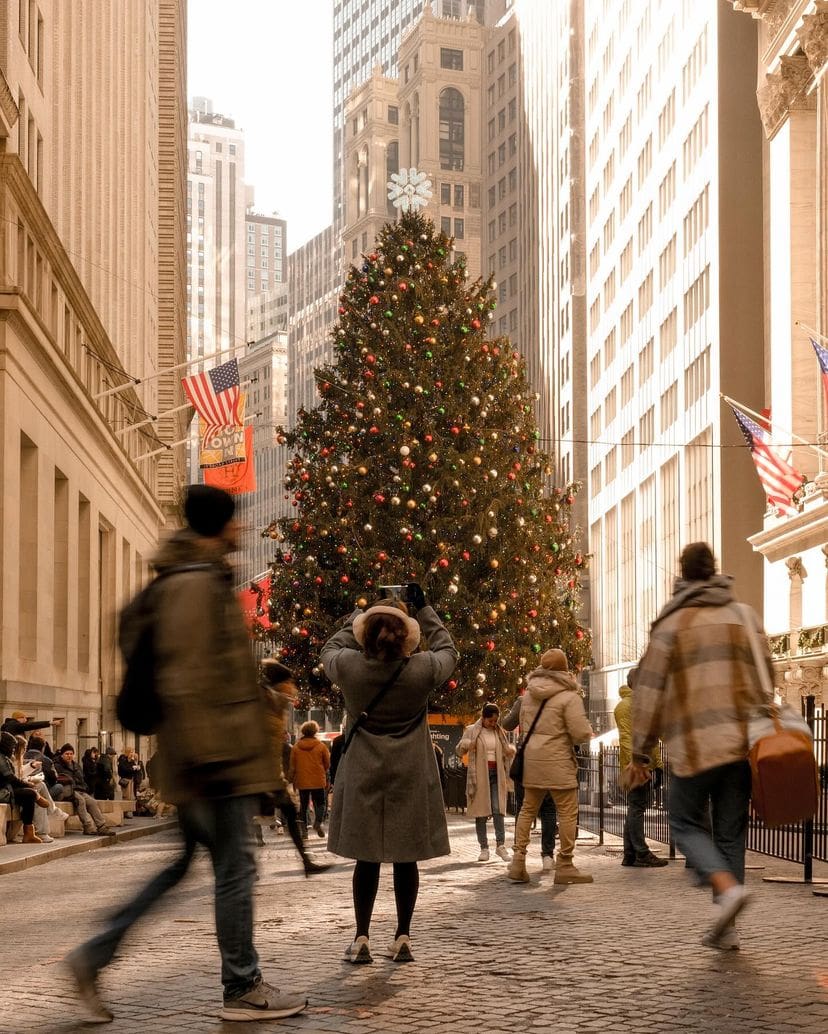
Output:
(310, 762)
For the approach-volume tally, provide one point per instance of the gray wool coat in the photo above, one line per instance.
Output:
(388, 804)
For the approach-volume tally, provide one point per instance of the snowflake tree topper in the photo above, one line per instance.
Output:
(409, 190)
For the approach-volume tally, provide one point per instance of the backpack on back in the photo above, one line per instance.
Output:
(138, 705)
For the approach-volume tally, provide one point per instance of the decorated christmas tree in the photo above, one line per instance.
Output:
(421, 463)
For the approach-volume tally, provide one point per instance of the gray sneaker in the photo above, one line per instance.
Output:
(87, 987)
(262, 1002)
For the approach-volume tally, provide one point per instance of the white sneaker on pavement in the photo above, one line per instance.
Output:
(359, 951)
(502, 851)
(400, 950)
(484, 855)
(728, 940)
(729, 904)
(263, 1002)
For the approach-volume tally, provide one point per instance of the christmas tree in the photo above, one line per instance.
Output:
(421, 463)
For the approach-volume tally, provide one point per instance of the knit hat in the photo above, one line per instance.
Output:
(555, 660)
(65, 747)
(274, 671)
(110, 750)
(208, 510)
(7, 744)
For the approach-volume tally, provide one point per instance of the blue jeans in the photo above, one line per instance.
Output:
(223, 827)
(548, 816)
(497, 817)
(714, 843)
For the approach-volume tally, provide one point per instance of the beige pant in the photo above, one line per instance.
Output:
(566, 801)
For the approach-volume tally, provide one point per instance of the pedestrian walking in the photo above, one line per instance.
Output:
(695, 689)
(547, 813)
(310, 761)
(554, 704)
(387, 805)
(280, 690)
(214, 757)
(636, 852)
(489, 754)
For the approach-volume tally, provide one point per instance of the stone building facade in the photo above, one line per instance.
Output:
(92, 262)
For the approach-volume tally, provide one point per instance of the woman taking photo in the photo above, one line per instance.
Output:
(388, 805)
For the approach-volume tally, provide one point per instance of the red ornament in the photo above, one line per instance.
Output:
(379, 498)
(382, 557)
(442, 562)
(579, 634)
(427, 438)
(373, 300)
(435, 322)
(403, 286)
(370, 359)
(476, 324)
(466, 554)
(341, 310)
(452, 684)
(344, 579)
(317, 580)
(455, 429)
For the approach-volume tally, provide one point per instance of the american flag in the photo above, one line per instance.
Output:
(822, 356)
(215, 395)
(779, 479)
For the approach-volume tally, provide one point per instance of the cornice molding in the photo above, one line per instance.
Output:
(785, 91)
(813, 36)
(8, 106)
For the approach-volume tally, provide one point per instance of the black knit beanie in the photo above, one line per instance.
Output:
(7, 744)
(65, 747)
(208, 510)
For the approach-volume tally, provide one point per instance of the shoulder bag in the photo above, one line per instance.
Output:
(362, 718)
(783, 769)
(516, 767)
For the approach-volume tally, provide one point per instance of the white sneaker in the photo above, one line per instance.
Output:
(359, 951)
(400, 950)
(502, 851)
(484, 855)
(730, 904)
(45, 838)
(548, 863)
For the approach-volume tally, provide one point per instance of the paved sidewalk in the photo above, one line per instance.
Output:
(621, 955)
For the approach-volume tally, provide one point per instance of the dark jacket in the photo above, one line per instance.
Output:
(70, 774)
(213, 740)
(336, 755)
(127, 769)
(17, 728)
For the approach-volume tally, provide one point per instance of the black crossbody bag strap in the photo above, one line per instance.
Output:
(363, 717)
(525, 740)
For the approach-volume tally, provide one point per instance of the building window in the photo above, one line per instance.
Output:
(452, 129)
(458, 195)
(451, 59)
(459, 229)
(393, 114)
(445, 193)
(445, 225)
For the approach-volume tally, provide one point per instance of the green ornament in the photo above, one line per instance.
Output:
(388, 314)
(418, 537)
(428, 355)
(536, 648)
(441, 252)
(464, 330)
(399, 417)
(442, 410)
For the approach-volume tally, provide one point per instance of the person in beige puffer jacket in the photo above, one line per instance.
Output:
(549, 762)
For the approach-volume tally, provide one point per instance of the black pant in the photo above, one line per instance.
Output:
(24, 798)
(318, 797)
(406, 888)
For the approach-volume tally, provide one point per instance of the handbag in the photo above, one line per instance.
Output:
(362, 718)
(783, 769)
(516, 767)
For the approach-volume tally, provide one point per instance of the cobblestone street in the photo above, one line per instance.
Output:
(622, 955)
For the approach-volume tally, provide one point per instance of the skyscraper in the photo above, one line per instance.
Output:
(673, 290)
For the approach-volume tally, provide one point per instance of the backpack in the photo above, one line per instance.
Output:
(138, 705)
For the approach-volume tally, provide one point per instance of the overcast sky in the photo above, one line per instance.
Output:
(267, 64)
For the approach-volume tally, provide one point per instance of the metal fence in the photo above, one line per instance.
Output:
(603, 807)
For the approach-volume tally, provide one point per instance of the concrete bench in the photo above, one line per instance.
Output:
(112, 811)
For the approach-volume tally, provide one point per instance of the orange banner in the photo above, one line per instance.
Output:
(235, 478)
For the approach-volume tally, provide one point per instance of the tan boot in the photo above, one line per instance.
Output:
(566, 872)
(29, 836)
(517, 868)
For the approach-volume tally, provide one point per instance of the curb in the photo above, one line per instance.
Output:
(40, 856)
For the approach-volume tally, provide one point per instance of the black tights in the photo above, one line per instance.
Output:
(366, 882)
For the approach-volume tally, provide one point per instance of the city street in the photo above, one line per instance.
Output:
(622, 955)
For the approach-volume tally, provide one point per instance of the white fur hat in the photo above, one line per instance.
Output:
(412, 639)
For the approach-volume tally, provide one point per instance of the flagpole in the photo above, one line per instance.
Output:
(167, 412)
(164, 372)
(810, 330)
(181, 441)
(781, 430)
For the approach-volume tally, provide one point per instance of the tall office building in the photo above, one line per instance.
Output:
(216, 204)
(314, 279)
(93, 121)
(674, 239)
(266, 252)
